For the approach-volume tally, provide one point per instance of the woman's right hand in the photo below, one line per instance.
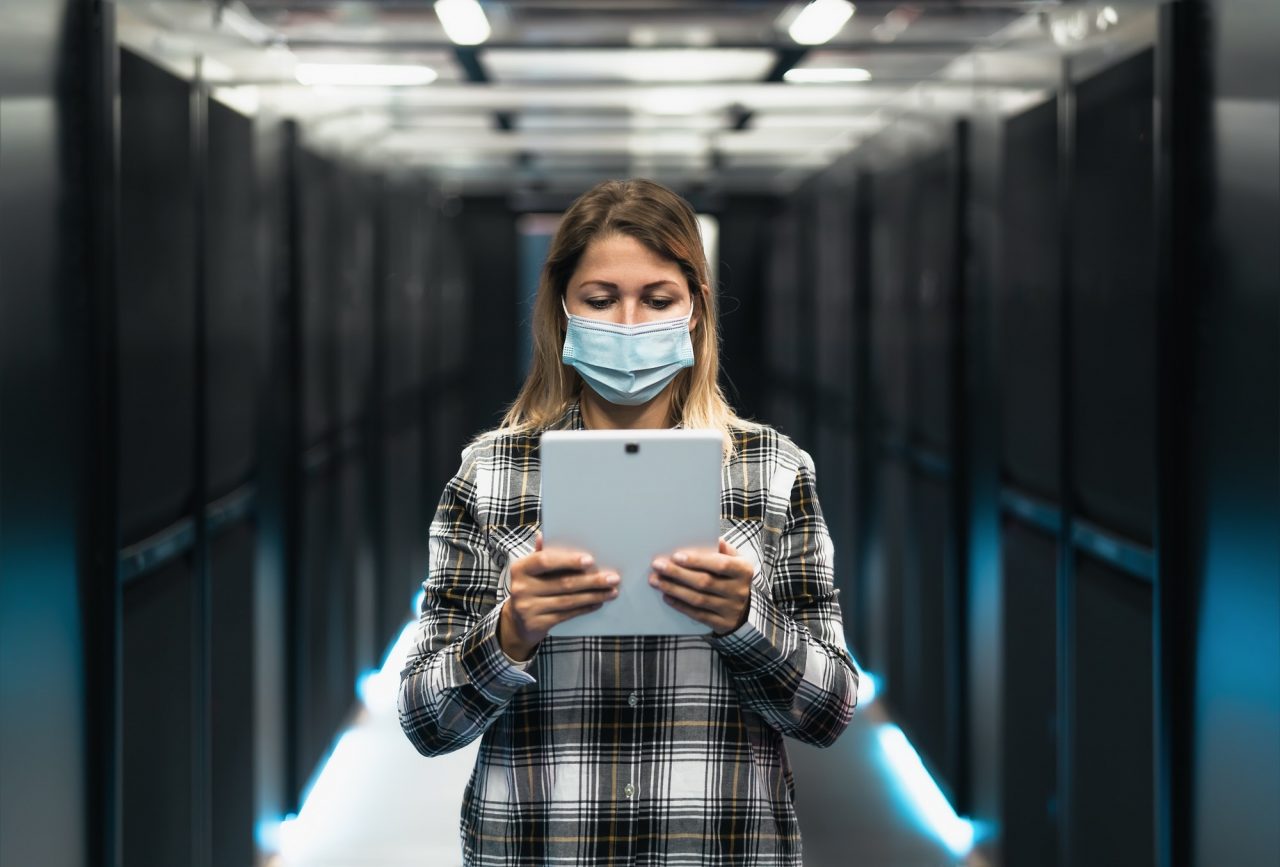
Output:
(549, 587)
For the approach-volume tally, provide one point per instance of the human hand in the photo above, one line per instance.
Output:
(549, 587)
(714, 589)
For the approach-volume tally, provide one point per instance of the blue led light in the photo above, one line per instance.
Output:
(921, 794)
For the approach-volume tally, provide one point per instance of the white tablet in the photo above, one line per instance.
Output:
(626, 497)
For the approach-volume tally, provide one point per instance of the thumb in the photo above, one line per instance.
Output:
(537, 541)
(727, 549)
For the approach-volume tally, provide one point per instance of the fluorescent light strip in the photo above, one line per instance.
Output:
(922, 794)
(240, 21)
(378, 689)
(340, 771)
(363, 75)
(463, 21)
(825, 76)
(820, 21)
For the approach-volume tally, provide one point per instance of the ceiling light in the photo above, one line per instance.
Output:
(676, 101)
(825, 75)
(363, 75)
(820, 21)
(463, 21)
(237, 18)
(215, 71)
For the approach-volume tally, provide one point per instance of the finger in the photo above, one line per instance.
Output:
(702, 615)
(689, 595)
(727, 549)
(562, 616)
(721, 565)
(574, 582)
(537, 541)
(695, 579)
(569, 601)
(558, 560)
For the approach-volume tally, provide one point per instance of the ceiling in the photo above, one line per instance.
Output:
(565, 92)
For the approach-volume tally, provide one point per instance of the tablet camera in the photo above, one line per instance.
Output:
(632, 448)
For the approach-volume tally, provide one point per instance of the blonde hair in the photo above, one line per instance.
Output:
(666, 224)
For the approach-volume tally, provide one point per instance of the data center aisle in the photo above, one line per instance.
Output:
(378, 803)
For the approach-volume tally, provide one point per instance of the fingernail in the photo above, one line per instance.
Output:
(613, 593)
(653, 580)
(585, 560)
(611, 578)
(681, 557)
(660, 564)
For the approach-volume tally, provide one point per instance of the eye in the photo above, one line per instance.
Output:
(659, 303)
(599, 303)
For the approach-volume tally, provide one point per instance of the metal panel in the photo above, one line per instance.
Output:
(744, 250)
(1112, 299)
(1231, 403)
(232, 717)
(317, 227)
(931, 706)
(405, 311)
(1029, 778)
(157, 299)
(58, 597)
(353, 296)
(159, 721)
(1113, 721)
(324, 638)
(832, 287)
(236, 302)
(1029, 329)
(490, 367)
(404, 535)
(355, 579)
(781, 339)
(932, 280)
(890, 301)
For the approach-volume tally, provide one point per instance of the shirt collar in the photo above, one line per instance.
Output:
(571, 419)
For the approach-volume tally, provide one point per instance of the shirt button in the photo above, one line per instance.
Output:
(633, 699)
(629, 790)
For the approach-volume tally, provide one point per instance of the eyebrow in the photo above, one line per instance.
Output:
(615, 285)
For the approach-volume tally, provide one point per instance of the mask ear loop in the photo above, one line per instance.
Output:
(694, 296)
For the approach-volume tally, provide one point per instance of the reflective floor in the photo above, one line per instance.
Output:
(378, 803)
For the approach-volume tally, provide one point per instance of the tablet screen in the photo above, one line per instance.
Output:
(626, 497)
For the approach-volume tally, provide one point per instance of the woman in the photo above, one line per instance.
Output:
(633, 750)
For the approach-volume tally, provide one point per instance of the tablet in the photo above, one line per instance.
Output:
(626, 497)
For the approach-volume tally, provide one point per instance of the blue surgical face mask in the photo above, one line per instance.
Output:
(627, 364)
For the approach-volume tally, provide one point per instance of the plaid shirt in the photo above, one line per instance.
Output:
(640, 750)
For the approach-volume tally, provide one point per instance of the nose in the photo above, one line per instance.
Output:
(632, 311)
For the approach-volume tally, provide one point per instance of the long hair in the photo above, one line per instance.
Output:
(667, 225)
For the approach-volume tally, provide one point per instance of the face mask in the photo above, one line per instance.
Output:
(627, 364)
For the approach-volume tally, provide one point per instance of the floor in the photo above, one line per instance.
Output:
(378, 803)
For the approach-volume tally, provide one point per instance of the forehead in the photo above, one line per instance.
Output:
(620, 253)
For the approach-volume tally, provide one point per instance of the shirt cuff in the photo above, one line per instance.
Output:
(487, 665)
(523, 665)
(765, 640)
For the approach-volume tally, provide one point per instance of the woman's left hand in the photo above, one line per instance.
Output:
(714, 589)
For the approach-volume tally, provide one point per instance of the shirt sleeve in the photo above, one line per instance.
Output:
(457, 679)
(788, 660)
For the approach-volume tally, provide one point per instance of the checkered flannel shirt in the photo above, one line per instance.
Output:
(640, 750)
